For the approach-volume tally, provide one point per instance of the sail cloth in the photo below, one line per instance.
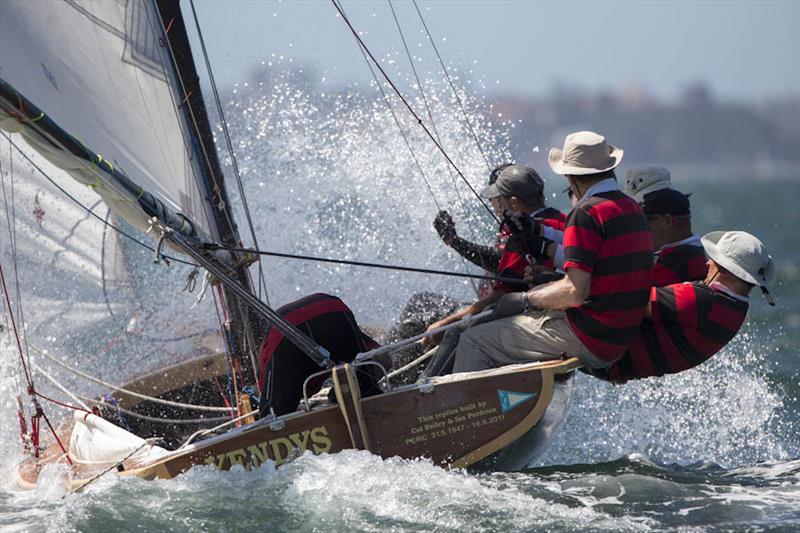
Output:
(102, 73)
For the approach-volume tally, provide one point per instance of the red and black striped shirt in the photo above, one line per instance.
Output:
(608, 236)
(681, 262)
(691, 322)
(512, 264)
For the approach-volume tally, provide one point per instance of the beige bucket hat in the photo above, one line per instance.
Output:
(585, 152)
(644, 180)
(741, 254)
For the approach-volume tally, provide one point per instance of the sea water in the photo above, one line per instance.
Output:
(716, 448)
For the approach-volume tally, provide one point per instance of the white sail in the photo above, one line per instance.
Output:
(101, 72)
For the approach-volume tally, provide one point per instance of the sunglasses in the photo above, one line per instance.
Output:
(568, 191)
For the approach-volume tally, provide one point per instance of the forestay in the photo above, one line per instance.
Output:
(103, 74)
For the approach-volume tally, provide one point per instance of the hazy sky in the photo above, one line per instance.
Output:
(743, 50)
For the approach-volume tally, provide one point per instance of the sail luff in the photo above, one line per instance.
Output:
(193, 107)
(244, 322)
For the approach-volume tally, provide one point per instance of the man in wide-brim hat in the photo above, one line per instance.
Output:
(594, 312)
(687, 323)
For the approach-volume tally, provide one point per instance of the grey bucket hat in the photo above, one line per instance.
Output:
(741, 254)
(515, 180)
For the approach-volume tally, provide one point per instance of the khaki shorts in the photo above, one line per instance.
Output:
(532, 336)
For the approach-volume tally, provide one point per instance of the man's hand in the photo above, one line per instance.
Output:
(518, 222)
(511, 304)
(529, 275)
(433, 340)
(526, 235)
(445, 227)
(524, 245)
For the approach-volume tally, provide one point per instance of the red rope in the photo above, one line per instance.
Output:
(185, 99)
(53, 431)
(215, 381)
(35, 431)
(16, 333)
(23, 426)
(35, 422)
(62, 404)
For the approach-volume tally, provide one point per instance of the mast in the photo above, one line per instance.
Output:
(244, 325)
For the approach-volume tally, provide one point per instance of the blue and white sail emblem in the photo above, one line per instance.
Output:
(510, 400)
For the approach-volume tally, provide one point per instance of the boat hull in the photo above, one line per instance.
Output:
(455, 420)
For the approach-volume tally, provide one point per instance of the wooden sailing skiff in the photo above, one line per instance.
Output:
(455, 420)
(161, 173)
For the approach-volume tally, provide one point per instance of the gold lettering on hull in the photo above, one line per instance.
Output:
(452, 422)
(278, 449)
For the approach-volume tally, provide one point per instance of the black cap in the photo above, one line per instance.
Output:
(666, 202)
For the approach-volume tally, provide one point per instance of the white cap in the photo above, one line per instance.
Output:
(646, 179)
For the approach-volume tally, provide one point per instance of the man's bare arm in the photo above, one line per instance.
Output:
(571, 291)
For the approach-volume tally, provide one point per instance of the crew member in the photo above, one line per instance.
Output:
(488, 257)
(679, 254)
(645, 179)
(283, 367)
(595, 311)
(521, 189)
(687, 323)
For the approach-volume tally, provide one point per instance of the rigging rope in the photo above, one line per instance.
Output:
(80, 399)
(435, 130)
(59, 386)
(411, 150)
(453, 87)
(28, 377)
(11, 217)
(140, 396)
(134, 414)
(425, 100)
(39, 412)
(234, 164)
(365, 264)
(411, 110)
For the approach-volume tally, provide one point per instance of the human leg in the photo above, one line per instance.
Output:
(533, 336)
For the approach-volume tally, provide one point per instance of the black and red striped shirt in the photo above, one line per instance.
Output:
(608, 236)
(512, 264)
(679, 262)
(691, 322)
